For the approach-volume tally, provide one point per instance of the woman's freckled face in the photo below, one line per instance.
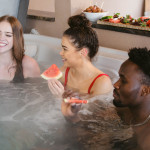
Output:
(70, 56)
(6, 37)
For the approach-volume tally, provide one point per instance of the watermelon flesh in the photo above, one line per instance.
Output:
(52, 72)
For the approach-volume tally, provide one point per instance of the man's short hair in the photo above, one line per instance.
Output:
(141, 57)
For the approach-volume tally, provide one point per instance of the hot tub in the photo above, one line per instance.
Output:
(31, 119)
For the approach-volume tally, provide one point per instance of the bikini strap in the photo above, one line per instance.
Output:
(66, 76)
(89, 90)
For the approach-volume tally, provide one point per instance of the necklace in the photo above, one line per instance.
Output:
(142, 123)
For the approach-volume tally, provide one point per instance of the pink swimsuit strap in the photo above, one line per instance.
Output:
(89, 89)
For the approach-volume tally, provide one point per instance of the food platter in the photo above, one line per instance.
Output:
(123, 25)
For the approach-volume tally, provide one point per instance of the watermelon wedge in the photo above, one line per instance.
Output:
(77, 101)
(51, 73)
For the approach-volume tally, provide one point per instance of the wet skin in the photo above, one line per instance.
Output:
(129, 93)
(127, 90)
(6, 37)
(69, 53)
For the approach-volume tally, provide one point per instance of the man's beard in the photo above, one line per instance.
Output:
(118, 103)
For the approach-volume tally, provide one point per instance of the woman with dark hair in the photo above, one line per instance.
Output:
(79, 46)
(14, 64)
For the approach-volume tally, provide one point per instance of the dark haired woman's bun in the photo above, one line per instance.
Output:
(78, 21)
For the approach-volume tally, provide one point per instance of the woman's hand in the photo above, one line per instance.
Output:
(70, 110)
(56, 87)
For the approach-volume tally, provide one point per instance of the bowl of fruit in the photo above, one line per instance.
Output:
(94, 13)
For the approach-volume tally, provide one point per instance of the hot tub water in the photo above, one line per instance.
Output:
(31, 119)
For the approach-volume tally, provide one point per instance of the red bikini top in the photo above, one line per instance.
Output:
(89, 89)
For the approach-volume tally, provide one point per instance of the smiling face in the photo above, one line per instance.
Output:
(127, 90)
(6, 37)
(70, 55)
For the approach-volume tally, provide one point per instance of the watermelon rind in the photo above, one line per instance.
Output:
(47, 78)
(65, 100)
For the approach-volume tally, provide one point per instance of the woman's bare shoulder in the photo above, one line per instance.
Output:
(30, 67)
(102, 85)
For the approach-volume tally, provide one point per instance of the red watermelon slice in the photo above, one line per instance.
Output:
(51, 73)
(114, 20)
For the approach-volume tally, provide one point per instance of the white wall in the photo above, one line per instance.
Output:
(133, 7)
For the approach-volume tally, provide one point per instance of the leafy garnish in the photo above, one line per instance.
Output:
(143, 24)
(116, 15)
(107, 17)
